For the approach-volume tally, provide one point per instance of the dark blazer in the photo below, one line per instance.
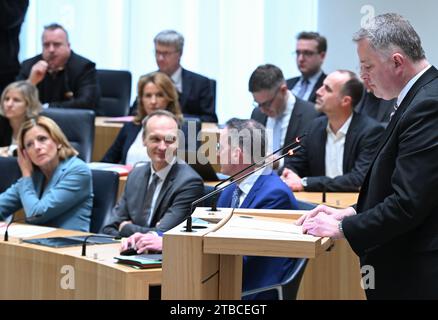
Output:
(268, 192)
(396, 228)
(360, 142)
(119, 149)
(302, 115)
(74, 87)
(312, 98)
(12, 15)
(376, 108)
(197, 98)
(5, 132)
(181, 187)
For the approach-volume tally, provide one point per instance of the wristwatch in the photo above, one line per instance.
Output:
(304, 181)
(340, 228)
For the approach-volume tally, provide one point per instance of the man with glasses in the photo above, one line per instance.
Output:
(310, 54)
(196, 92)
(277, 108)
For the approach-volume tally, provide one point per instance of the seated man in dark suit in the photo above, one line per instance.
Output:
(277, 108)
(339, 146)
(196, 95)
(64, 79)
(158, 195)
(310, 53)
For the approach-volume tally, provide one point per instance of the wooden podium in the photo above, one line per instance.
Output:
(207, 263)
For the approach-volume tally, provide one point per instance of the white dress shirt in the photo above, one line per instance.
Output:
(334, 150)
(312, 82)
(177, 80)
(137, 151)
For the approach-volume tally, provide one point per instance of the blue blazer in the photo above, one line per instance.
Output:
(65, 202)
(268, 192)
(119, 149)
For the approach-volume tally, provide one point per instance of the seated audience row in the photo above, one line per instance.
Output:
(67, 80)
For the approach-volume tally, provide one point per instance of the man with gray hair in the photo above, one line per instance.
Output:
(393, 228)
(196, 93)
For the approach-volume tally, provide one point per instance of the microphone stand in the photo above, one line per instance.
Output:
(6, 236)
(84, 243)
(290, 152)
(291, 145)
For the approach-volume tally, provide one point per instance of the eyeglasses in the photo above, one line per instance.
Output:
(267, 104)
(164, 54)
(305, 53)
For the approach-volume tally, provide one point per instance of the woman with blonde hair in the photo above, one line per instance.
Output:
(19, 101)
(155, 91)
(56, 187)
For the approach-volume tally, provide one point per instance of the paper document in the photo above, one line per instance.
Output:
(25, 230)
(264, 225)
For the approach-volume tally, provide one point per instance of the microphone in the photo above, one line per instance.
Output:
(84, 243)
(6, 236)
(290, 152)
(260, 162)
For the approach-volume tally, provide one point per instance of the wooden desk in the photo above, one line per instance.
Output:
(333, 199)
(104, 136)
(35, 272)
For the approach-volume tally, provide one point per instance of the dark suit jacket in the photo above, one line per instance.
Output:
(396, 228)
(312, 98)
(376, 108)
(268, 192)
(12, 15)
(360, 143)
(74, 87)
(119, 149)
(5, 132)
(181, 187)
(197, 99)
(302, 115)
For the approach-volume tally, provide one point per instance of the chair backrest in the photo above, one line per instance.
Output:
(191, 127)
(78, 127)
(105, 189)
(213, 91)
(291, 284)
(115, 89)
(288, 288)
(9, 172)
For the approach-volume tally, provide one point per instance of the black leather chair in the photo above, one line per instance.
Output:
(9, 172)
(115, 90)
(191, 127)
(288, 289)
(105, 189)
(78, 127)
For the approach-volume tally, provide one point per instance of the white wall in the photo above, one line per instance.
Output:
(338, 20)
(225, 39)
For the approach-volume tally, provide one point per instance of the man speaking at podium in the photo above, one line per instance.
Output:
(394, 227)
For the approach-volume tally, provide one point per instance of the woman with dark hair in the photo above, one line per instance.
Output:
(155, 91)
(56, 187)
